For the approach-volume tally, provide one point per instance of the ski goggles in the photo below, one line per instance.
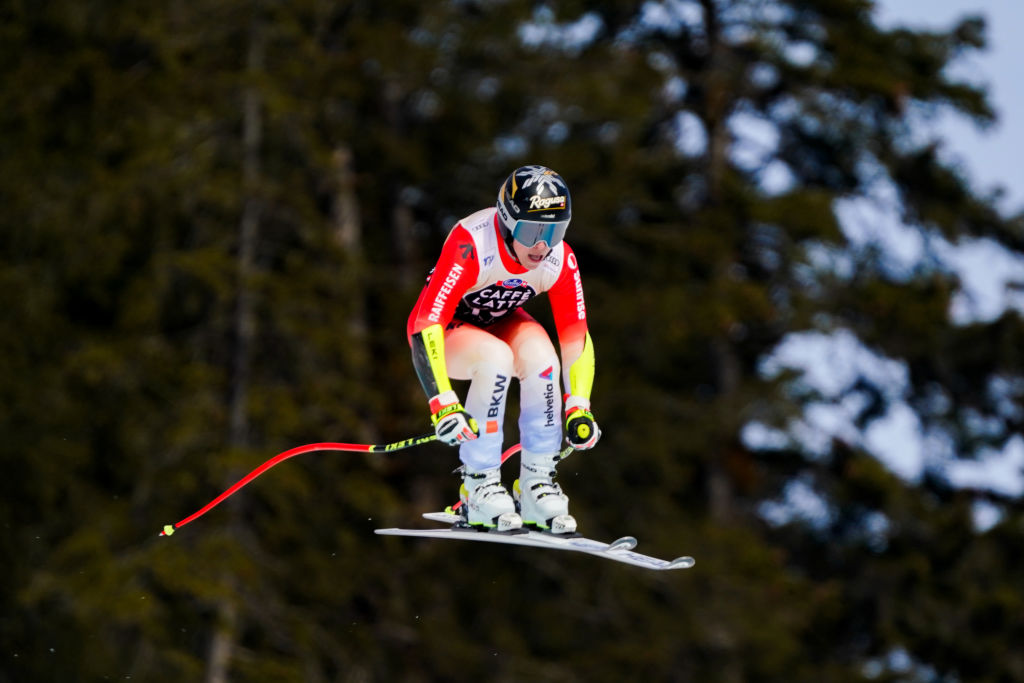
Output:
(529, 233)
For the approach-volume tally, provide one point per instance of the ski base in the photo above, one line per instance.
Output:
(619, 551)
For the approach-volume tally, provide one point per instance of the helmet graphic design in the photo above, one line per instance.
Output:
(534, 206)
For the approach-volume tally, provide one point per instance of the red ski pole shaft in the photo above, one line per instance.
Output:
(291, 453)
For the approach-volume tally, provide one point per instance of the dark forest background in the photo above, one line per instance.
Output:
(215, 216)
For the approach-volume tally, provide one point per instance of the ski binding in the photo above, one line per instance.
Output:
(620, 550)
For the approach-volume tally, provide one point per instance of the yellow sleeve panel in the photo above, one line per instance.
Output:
(581, 372)
(428, 359)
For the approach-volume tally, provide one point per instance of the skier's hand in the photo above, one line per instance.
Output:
(452, 423)
(581, 431)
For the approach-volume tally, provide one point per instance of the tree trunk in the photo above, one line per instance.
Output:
(714, 114)
(348, 227)
(225, 635)
(223, 643)
(348, 232)
(717, 94)
(720, 487)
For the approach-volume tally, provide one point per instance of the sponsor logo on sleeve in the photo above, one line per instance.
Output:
(442, 294)
(581, 307)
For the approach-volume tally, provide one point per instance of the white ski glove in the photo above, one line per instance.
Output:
(452, 424)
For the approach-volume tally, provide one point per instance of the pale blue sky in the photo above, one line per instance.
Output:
(989, 157)
(993, 156)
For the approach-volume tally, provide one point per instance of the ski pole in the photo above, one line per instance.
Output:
(512, 450)
(299, 450)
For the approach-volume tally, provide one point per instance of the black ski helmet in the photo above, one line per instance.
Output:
(534, 206)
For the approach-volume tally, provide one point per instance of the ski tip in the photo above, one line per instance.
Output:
(682, 563)
(443, 517)
(624, 543)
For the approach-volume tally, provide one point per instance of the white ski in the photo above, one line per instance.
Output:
(620, 550)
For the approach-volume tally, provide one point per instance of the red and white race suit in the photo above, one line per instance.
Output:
(476, 292)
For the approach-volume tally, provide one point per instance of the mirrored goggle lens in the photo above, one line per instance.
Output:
(529, 233)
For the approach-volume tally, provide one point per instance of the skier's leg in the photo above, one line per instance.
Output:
(484, 359)
(487, 361)
(541, 500)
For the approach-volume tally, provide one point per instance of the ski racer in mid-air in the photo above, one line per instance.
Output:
(468, 323)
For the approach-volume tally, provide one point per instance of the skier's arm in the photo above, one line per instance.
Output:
(456, 270)
(570, 313)
(451, 421)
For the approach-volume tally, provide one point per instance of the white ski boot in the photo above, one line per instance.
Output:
(541, 501)
(487, 503)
